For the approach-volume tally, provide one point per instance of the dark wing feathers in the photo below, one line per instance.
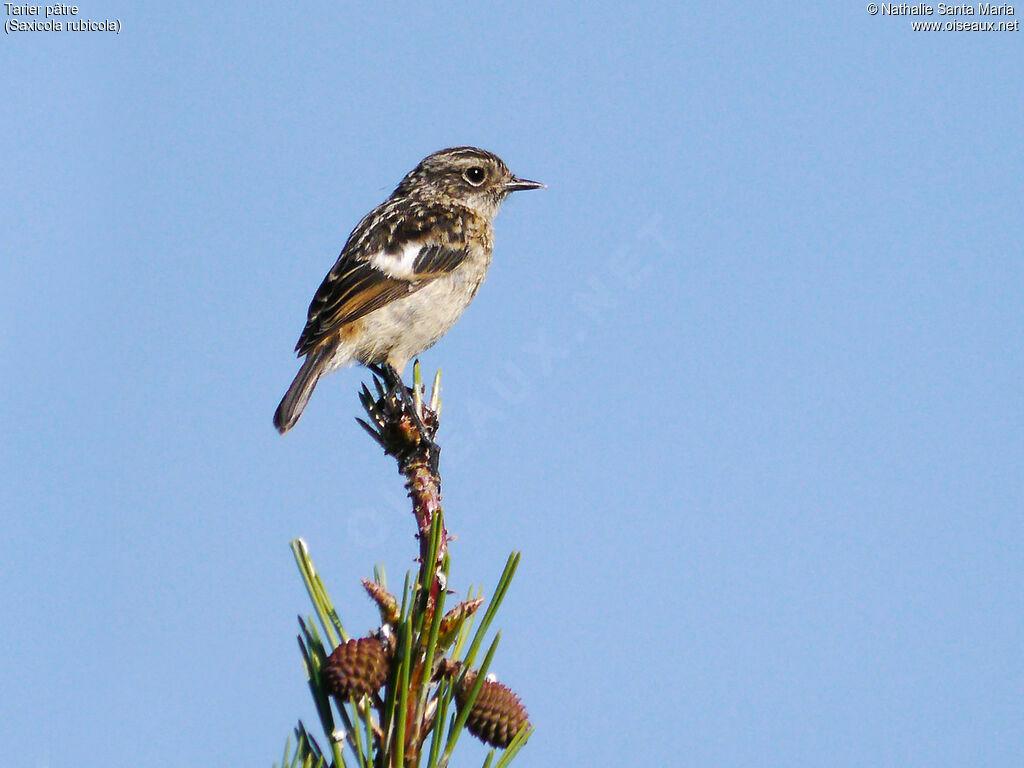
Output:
(355, 287)
(362, 290)
(438, 259)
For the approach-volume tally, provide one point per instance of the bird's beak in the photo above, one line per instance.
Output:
(515, 184)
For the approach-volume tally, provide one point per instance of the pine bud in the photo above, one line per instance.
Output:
(357, 667)
(452, 621)
(386, 602)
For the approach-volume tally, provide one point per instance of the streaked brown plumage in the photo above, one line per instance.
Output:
(407, 272)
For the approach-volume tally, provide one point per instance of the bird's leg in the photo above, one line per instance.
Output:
(409, 402)
(379, 371)
(395, 386)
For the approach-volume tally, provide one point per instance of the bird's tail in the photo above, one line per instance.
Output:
(295, 399)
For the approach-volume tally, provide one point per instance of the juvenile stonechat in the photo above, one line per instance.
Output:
(407, 272)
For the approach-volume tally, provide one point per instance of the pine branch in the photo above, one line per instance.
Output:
(416, 656)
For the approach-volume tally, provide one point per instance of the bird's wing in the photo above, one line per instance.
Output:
(391, 253)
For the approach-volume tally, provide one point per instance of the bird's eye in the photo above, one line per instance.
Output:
(475, 175)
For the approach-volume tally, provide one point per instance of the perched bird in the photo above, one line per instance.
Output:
(407, 272)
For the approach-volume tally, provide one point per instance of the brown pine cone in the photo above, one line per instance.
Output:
(357, 667)
(497, 714)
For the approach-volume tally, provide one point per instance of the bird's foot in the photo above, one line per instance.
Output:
(413, 405)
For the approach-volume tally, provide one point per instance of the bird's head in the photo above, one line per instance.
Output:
(469, 176)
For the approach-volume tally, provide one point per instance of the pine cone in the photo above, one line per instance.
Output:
(497, 714)
(357, 667)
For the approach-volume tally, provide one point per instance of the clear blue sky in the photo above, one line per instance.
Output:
(744, 384)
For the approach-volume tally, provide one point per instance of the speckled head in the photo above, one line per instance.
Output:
(469, 176)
